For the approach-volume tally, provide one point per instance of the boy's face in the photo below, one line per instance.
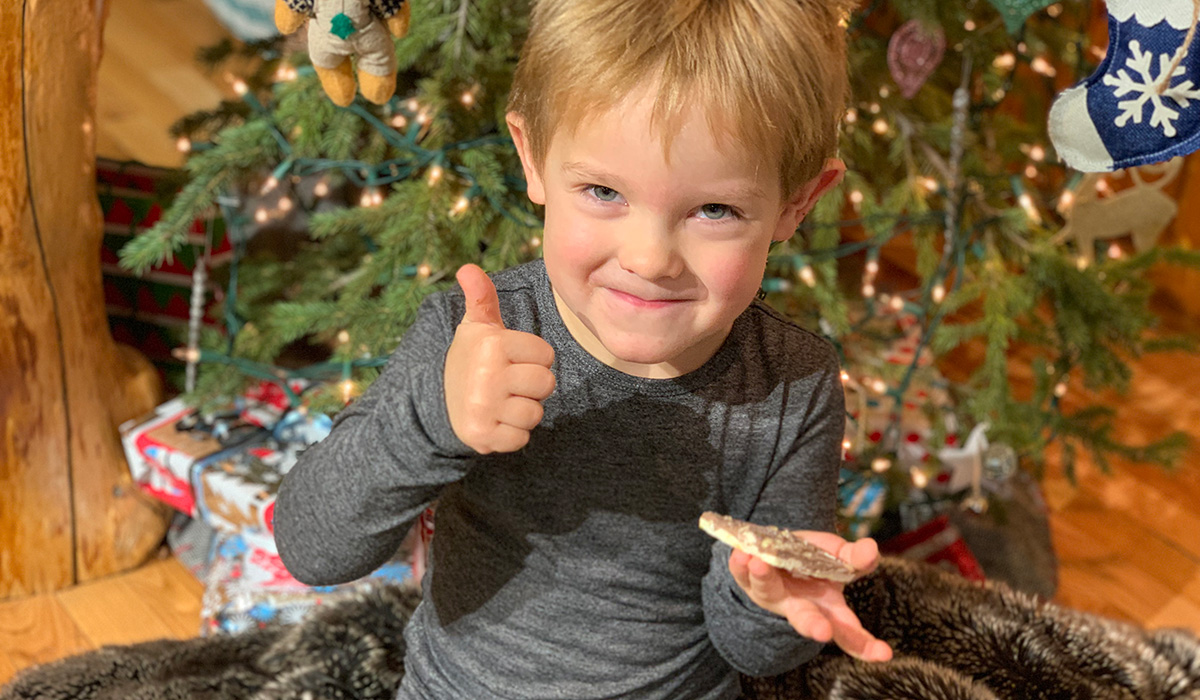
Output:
(652, 258)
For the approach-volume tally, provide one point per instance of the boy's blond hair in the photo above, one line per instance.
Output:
(771, 74)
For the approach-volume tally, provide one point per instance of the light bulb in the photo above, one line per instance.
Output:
(1041, 65)
(808, 276)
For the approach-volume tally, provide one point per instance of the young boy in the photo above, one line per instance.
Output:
(574, 416)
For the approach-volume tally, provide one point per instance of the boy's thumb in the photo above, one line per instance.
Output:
(483, 306)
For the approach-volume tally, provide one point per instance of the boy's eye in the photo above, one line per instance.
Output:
(604, 194)
(717, 212)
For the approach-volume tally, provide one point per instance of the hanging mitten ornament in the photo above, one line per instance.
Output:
(340, 29)
(1015, 12)
(914, 52)
(1142, 105)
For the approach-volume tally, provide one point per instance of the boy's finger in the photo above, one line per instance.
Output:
(766, 582)
(853, 639)
(483, 306)
(864, 554)
(738, 568)
(522, 413)
(808, 621)
(530, 381)
(506, 438)
(527, 348)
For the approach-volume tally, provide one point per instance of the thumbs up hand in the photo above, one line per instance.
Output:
(495, 378)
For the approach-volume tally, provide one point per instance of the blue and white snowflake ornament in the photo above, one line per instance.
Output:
(1142, 105)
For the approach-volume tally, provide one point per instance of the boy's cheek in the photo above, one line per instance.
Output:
(571, 242)
(734, 275)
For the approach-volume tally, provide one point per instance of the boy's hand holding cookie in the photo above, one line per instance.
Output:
(805, 580)
(495, 378)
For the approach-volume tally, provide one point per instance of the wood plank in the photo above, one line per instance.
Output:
(149, 77)
(111, 611)
(175, 593)
(1181, 611)
(37, 630)
(7, 669)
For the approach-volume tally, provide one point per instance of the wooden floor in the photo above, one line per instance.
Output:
(1128, 543)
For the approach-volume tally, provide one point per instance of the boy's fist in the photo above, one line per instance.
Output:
(495, 378)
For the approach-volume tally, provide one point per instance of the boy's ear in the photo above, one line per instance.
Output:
(806, 197)
(536, 189)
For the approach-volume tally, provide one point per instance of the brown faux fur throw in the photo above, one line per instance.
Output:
(953, 640)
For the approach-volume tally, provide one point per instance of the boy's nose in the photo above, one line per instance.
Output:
(650, 253)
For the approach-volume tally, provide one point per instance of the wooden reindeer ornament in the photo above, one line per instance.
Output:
(340, 29)
(1142, 212)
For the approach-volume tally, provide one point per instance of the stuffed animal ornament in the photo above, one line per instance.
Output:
(341, 29)
(1142, 105)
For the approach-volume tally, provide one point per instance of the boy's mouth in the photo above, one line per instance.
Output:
(642, 302)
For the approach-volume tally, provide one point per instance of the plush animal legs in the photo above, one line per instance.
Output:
(339, 82)
(376, 88)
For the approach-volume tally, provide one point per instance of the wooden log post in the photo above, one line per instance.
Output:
(68, 510)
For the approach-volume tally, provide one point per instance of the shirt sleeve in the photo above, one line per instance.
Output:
(346, 506)
(800, 493)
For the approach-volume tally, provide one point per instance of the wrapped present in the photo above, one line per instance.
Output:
(223, 468)
(236, 492)
(266, 404)
(165, 452)
(939, 542)
(861, 500)
(246, 584)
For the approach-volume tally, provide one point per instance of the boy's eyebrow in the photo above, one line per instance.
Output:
(586, 172)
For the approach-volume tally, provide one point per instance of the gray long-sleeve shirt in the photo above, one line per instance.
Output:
(574, 567)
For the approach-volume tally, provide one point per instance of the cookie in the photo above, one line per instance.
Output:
(779, 548)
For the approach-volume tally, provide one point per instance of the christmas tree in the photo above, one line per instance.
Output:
(947, 250)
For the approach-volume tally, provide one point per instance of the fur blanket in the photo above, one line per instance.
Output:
(954, 640)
